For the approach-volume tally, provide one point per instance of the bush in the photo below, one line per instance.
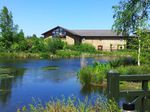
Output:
(85, 75)
(82, 48)
(35, 44)
(144, 69)
(53, 45)
(126, 61)
(2, 46)
(93, 74)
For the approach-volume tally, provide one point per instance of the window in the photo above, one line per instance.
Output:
(100, 47)
(59, 32)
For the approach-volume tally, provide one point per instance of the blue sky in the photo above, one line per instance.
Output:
(38, 16)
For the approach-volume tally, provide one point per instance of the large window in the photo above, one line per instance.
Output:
(59, 32)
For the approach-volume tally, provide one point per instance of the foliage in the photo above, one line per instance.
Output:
(54, 44)
(68, 53)
(144, 69)
(85, 75)
(115, 63)
(7, 27)
(96, 73)
(124, 61)
(50, 68)
(35, 44)
(72, 105)
(93, 74)
(82, 48)
(132, 16)
(5, 76)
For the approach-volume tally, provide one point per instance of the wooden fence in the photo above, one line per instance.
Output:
(114, 92)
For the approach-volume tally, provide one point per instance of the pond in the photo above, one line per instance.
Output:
(32, 81)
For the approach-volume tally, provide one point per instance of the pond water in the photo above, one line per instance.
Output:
(31, 81)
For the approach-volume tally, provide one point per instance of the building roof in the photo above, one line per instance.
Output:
(95, 32)
(90, 33)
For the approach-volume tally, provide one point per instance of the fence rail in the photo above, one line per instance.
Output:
(113, 87)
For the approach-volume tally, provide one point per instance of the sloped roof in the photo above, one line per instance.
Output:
(94, 33)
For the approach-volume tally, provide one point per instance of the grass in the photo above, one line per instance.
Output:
(127, 70)
(72, 105)
(46, 55)
(50, 68)
(93, 75)
(130, 85)
(96, 74)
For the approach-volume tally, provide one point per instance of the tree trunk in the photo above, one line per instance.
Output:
(139, 51)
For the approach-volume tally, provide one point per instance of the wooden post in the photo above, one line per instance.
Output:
(113, 85)
(143, 101)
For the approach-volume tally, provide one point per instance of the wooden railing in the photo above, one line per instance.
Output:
(114, 92)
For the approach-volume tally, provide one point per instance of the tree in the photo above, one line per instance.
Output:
(131, 16)
(7, 27)
(19, 36)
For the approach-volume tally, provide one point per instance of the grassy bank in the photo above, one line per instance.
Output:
(72, 105)
(47, 55)
(96, 74)
(67, 53)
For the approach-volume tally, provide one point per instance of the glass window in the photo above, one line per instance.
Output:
(59, 32)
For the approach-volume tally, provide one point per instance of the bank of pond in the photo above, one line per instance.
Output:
(95, 74)
(24, 79)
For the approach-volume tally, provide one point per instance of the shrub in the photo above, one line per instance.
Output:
(2, 46)
(85, 75)
(115, 63)
(93, 74)
(53, 45)
(35, 44)
(82, 48)
(86, 48)
(144, 69)
(126, 61)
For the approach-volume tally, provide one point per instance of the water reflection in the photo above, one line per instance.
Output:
(88, 90)
(7, 83)
(33, 81)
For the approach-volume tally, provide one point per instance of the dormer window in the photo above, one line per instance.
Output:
(59, 32)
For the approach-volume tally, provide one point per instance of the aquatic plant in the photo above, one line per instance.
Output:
(5, 76)
(93, 74)
(50, 68)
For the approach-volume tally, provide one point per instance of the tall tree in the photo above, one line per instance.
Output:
(7, 27)
(131, 16)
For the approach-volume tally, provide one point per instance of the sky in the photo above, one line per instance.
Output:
(39, 16)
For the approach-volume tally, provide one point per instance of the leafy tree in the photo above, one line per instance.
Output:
(7, 27)
(131, 16)
(20, 36)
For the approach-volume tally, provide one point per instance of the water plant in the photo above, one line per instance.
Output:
(50, 68)
(5, 76)
(93, 74)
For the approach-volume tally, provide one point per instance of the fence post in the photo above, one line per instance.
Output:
(113, 85)
(144, 88)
